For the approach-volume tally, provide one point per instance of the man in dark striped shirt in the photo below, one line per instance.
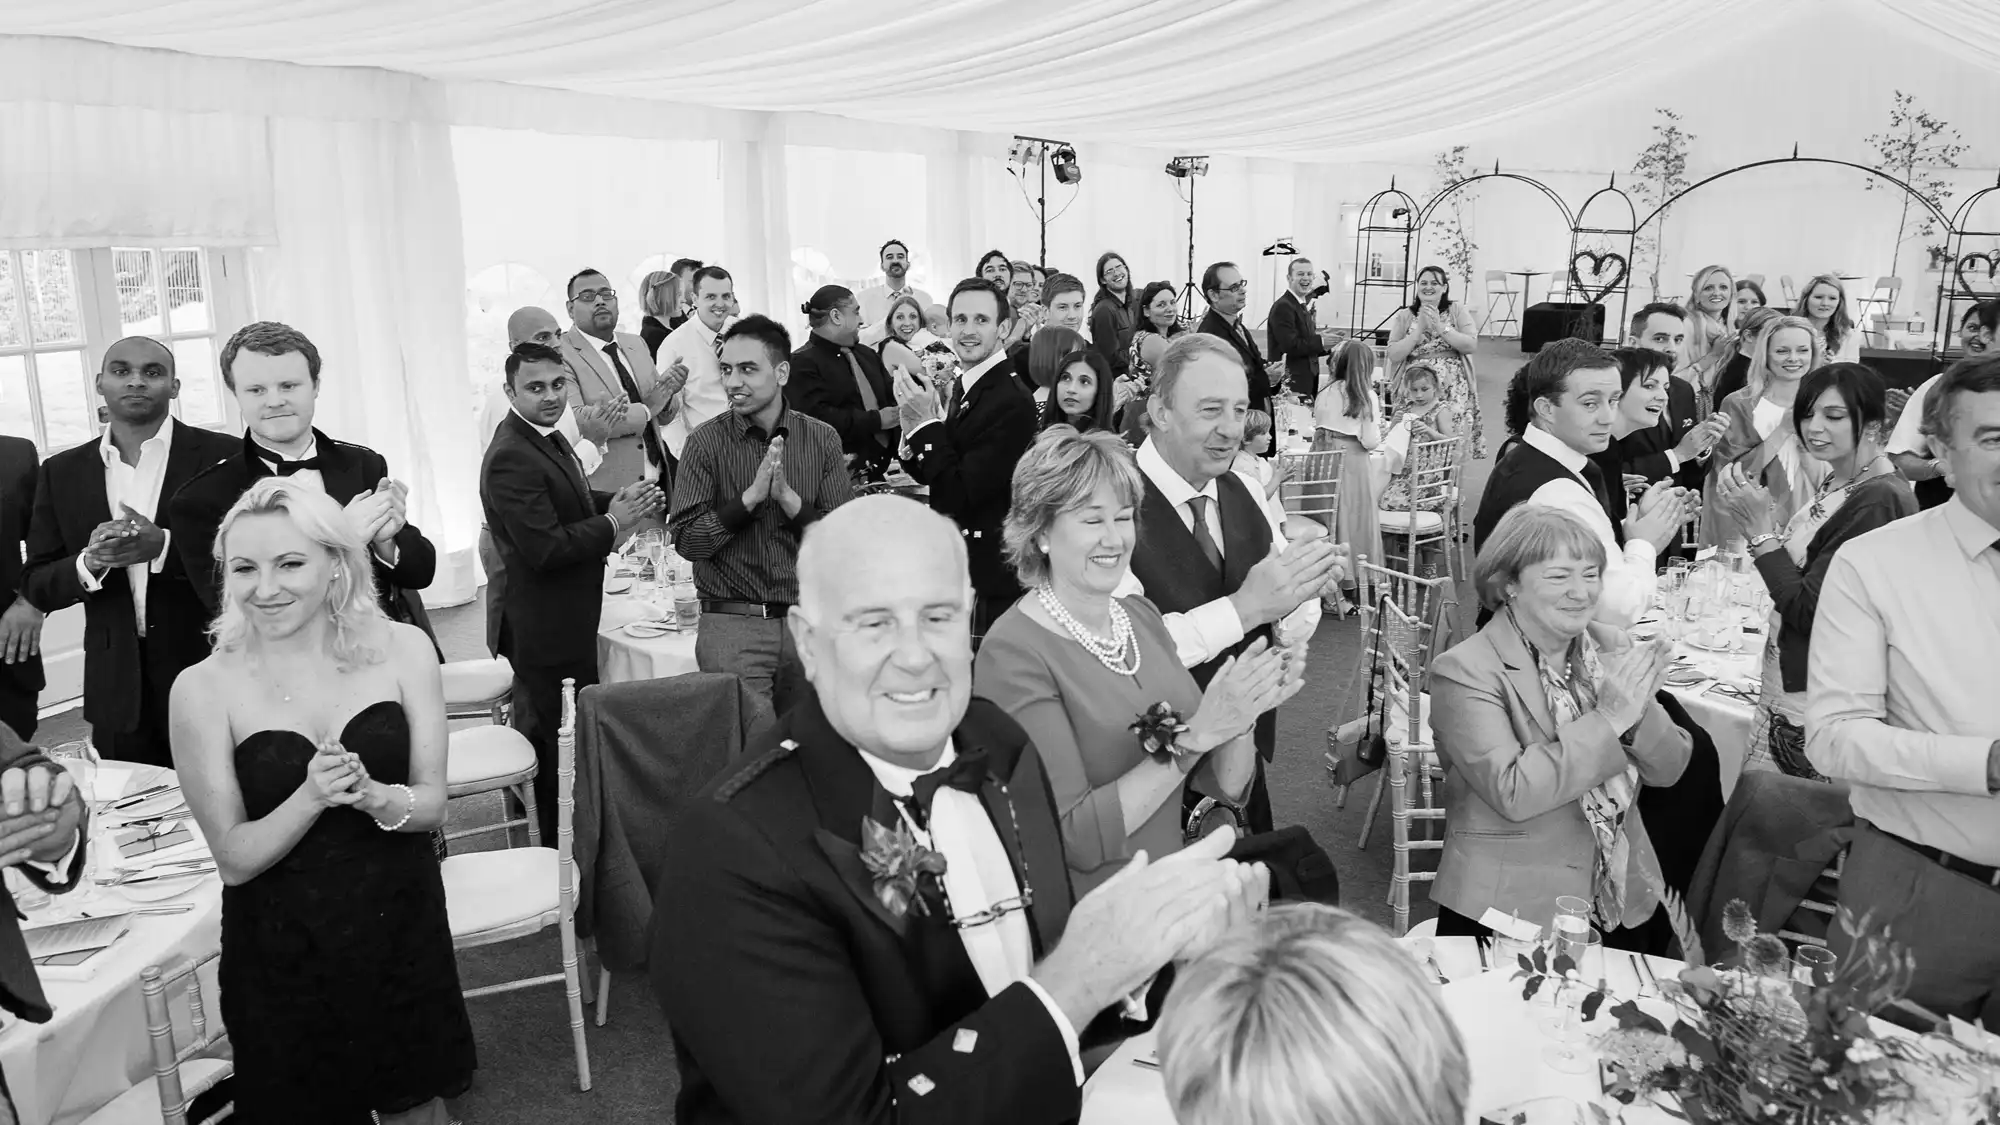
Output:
(749, 484)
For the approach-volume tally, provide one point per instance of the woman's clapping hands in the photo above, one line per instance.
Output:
(1631, 678)
(1247, 686)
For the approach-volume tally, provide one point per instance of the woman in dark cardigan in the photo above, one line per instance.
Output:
(1840, 416)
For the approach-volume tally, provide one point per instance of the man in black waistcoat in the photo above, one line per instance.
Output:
(1211, 554)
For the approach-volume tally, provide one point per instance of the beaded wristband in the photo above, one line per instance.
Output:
(409, 809)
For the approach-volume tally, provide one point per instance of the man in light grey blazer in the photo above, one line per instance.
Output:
(614, 366)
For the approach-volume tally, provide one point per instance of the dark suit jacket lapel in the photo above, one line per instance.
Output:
(340, 469)
(844, 793)
(572, 472)
(1014, 798)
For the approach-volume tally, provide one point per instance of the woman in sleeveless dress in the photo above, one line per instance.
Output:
(1437, 332)
(1076, 666)
(311, 747)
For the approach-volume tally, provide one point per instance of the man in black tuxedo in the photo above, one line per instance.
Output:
(273, 370)
(843, 384)
(21, 625)
(100, 535)
(1226, 290)
(799, 986)
(1684, 443)
(965, 448)
(1211, 554)
(1293, 328)
(552, 533)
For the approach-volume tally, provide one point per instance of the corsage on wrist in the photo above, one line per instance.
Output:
(1160, 728)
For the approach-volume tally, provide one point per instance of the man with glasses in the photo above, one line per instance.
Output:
(614, 367)
(1227, 291)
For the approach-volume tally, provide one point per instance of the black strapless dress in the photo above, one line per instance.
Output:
(339, 983)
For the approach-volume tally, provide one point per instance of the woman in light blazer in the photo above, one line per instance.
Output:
(1548, 726)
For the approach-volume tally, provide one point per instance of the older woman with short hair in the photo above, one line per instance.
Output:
(1076, 666)
(1310, 1014)
(1548, 726)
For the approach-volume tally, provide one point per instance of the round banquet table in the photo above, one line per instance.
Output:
(1719, 689)
(95, 1047)
(622, 657)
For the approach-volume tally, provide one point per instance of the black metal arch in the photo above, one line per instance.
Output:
(1424, 215)
(1795, 158)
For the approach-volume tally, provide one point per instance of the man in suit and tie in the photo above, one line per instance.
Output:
(21, 625)
(964, 448)
(1227, 291)
(802, 986)
(1683, 439)
(1293, 328)
(273, 370)
(691, 355)
(845, 385)
(101, 534)
(553, 532)
(610, 366)
(1211, 554)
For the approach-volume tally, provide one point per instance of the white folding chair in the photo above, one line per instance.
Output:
(1810, 923)
(1756, 279)
(484, 758)
(514, 893)
(1882, 300)
(1789, 291)
(1498, 289)
(1312, 487)
(181, 1072)
(1401, 643)
(1429, 521)
(475, 689)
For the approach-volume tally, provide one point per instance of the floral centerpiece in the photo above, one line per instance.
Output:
(1752, 1044)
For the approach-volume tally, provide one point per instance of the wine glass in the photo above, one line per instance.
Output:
(1563, 1022)
(80, 760)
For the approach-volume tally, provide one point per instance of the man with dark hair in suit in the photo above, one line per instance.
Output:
(273, 370)
(844, 385)
(609, 366)
(1227, 291)
(1293, 328)
(553, 533)
(1683, 442)
(807, 981)
(21, 625)
(102, 534)
(965, 447)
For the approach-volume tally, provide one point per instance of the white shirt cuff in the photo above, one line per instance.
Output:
(588, 456)
(91, 583)
(166, 545)
(1673, 461)
(1204, 631)
(920, 429)
(1062, 1026)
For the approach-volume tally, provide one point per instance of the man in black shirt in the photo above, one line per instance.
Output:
(844, 385)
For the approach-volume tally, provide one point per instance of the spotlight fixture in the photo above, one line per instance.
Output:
(1047, 156)
(1065, 166)
(1025, 151)
(1181, 167)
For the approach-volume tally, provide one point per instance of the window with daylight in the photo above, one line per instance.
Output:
(60, 310)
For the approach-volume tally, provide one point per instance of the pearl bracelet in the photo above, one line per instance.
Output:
(409, 809)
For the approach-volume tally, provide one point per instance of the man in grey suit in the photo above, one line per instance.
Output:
(614, 366)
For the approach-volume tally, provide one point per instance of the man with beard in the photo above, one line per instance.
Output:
(101, 534)
(877, 300)
(614, 366)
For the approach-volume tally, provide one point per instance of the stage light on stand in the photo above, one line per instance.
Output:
(1047, 155)
(1181, 167)
(1185, 168)
(1065, 165)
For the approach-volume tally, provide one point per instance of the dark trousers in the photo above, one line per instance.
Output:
(496, 589)
(1949, 921)
(148, 742)
(538, 716)
(757, 650)
(19, 699)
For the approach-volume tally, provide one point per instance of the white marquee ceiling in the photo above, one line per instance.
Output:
(1301, 79)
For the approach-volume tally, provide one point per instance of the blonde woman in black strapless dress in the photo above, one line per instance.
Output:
(311, 748)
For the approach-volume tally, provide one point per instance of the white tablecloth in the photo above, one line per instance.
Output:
(1725, 715)
(622, 657)
(95, 1048)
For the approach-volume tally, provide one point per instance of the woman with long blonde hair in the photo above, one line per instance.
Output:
(311, 748)
(1824, 302)
(1761, 442)
(1711, 311)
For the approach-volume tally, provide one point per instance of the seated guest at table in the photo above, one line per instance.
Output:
(1914, 454)
(751, 482)
(1736, 371)
(1421, 415)
(311, 748)
(553, 533)
(1760, 443)
(801, 987)
(45, 834)
(1901, 707)
(1438, 331)
(1310, 1014)
(660, 296)
(1839, 414)
(273, 370)
(1677, 449)
(1081, 394)
(21, 679)
(102, 533)
(1038, 359)
(1644, 429)
(1749, 295)
(1076, 667)
(836, 381)
(1547, 725)
(1823, 302)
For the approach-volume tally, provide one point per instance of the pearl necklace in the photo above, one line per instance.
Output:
(1109, 652)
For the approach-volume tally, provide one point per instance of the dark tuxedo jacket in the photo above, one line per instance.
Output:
(1238, 336)
(19, 465)
(968, 462)
(20, 987)
(795, 995)
(1675, 422)
(552, 535)
(347, 470)
(1294, 336)
(69, 504)
(822, 386)
(1178, 577)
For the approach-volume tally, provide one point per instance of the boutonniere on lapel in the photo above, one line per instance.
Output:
(1159, 728)
(899, 865)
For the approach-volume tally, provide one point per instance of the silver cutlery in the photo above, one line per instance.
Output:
(1442, 979)
(142, 795)
(172, 869)
(1146, 1064)
(170, 908)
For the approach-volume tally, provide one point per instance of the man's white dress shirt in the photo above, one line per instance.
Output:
(497, 408)
(977, 874)
(1901, 674)
(693, 345)
(1908, 436)
(136, 487)
(1629, 578)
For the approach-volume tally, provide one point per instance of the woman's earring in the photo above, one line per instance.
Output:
(1044, 546)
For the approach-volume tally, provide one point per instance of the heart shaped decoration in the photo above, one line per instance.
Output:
(1600, 265)
(1971, 261)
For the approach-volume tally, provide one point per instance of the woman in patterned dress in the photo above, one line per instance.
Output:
(1435, 331)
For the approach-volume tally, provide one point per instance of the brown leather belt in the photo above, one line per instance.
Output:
(745, 609)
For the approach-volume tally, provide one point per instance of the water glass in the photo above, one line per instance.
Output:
(687, 606)
(1572, 914)
(1814, 965)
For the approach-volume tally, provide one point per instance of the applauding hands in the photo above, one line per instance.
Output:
(1284, 580)
(1631, 678)
(1248, 685)
(379, 514)
(1658, 514)
(1747, 501)
(40, 815)
(769, 482)
(127, 541)
(636, 501)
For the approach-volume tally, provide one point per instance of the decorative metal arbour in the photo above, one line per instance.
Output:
(1607, 241)
(1382, 246)
(1972, 274)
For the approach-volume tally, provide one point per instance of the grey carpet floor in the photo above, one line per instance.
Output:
(526, 1071)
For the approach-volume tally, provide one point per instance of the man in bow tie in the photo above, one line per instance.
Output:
(870, 920)
(102, 534)
(273, 370)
